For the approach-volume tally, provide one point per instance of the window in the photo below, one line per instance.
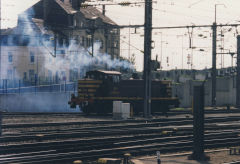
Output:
(25, 41)
(60, 42)
(76, 40)
(83, 41)
(9, 74)
(101, 43)
(15, 40)
(114, 31)
(89, 41)
(50, 75)
(81, 24)
(66, 43)
(24, 75)
(63, 75)
(56, 77)
(4, 40)
(31, 57)
(74, 22)
(73, 74)
(10, 57)
(31, 74)
(71, 21)
(115, 44)
(116, 79)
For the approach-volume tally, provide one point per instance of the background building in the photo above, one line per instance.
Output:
(48, 33)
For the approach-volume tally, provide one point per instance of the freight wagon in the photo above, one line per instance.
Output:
(98, 90)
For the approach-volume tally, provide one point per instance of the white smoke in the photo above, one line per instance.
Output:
(78, 58)
(75, 57)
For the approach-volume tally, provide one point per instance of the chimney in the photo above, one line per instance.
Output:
(76, 4)
(103, 10)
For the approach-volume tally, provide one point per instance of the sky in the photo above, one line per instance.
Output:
(170, 45)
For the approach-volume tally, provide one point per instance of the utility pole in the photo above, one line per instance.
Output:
(214, 54)
(0, 41)
(129, 43)
(238, 73)
(161, 53)
(92, 40)
(55, 44)
(198, 123)
(147, 57)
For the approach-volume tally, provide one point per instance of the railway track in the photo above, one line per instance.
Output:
(69, 154)
(173, 111)
(91, 140)
(161, 120)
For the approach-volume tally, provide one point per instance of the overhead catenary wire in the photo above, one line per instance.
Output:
(124, 3)
(140, 26)
(132, 46)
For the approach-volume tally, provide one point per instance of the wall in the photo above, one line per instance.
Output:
(226, 92)
(58, 102)
(21, 61)
(39, 102)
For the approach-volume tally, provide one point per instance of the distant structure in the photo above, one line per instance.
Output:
(185, 80)
(52, 26)
(183, 75)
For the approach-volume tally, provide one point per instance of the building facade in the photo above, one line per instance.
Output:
(39, 48)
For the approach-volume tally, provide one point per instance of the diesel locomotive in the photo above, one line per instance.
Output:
(98, 90)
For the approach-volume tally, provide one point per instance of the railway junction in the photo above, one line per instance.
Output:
(74, 137)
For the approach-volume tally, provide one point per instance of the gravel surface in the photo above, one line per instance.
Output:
(216, 157)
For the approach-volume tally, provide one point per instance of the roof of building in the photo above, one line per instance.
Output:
(66, 6)
(41, 28)
(89, 12)
(109, 72)
(93, 13)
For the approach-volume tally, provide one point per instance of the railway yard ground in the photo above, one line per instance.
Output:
(67, 137)
(217, 156)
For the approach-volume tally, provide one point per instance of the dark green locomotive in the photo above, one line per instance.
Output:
(98, 90)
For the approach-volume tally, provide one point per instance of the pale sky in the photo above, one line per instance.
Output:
(174, 42)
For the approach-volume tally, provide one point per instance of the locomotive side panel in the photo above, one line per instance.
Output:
(135, 88)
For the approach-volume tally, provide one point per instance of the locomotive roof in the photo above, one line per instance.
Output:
(108, 72)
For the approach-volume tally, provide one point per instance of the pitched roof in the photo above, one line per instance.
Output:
(109, 72)
(93, 13)
(66, 6)
(41, 28)
(88, 12)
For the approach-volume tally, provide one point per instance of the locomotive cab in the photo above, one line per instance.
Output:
(110, 81)
(110, 76)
